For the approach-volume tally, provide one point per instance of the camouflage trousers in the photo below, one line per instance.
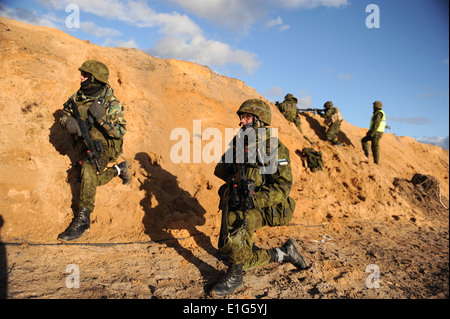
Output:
(375, 139)
(333, 131)
(90, 180)
(298, 123)
(241, 239)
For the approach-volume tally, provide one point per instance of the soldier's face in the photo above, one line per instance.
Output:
(83, 76)
(246, 118)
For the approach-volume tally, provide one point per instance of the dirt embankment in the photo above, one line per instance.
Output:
(159, 233)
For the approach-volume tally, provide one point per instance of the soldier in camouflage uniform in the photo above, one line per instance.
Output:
(107, 125)
(333, 119)
(290, 111)
(375, 133)
(269, 203)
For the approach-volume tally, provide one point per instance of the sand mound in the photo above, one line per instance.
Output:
(167, 200)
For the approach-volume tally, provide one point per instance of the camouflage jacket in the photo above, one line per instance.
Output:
(332, 115)
(289, 109)
(111, 128)
(272, 188)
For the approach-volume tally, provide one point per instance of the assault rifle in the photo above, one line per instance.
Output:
(315, 111)
(94, 147)
(245, 190)
(242, 192)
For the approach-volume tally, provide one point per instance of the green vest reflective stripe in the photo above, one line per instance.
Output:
(382, 126)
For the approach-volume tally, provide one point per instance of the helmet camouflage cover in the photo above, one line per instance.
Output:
(328, 105)
(98, 70)
(257, 107)
(378, 105)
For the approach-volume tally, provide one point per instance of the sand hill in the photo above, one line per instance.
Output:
(159, 233)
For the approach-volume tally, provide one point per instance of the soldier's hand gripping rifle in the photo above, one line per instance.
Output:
(315, 111)
(94, 147)
(242, 192)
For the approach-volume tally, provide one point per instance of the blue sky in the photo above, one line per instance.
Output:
(318, 50)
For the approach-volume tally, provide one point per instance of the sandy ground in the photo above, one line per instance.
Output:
(367, 230)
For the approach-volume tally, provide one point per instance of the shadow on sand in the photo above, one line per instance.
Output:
(175, 209)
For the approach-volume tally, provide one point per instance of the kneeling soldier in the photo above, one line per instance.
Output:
(256, 194)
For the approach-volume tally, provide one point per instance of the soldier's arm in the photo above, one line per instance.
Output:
(225, 167)
(328, 113)
(66, 113)
(114, 122)
(280, 182)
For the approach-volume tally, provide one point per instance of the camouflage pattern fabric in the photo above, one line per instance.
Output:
(273, 207)
(290, 111)
(333, 119)
(110, 129)
(90, 180)
(98, 69)
(375, 139)
(333, 131)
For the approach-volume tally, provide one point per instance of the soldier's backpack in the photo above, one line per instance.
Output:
(313, 158)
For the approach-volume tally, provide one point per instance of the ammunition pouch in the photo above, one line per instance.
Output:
(233, 241)
(281, 214)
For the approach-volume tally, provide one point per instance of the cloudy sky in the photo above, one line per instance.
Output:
(351, 52)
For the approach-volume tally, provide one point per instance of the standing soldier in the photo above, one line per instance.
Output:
(255, 195)
(333, 119)
(103, 122)
(376, 130)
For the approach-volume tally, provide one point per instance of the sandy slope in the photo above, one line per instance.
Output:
(348, 216)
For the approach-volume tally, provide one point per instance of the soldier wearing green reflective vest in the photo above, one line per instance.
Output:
(376, 130)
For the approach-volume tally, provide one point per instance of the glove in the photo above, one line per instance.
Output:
(97, 109)
(72, 126)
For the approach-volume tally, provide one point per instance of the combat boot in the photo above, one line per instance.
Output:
(231, 281)
(289, 253)
(124, 172)
(79, 225)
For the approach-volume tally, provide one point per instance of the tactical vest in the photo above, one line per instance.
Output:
(97, 133)
(382, 126)
(335, 117)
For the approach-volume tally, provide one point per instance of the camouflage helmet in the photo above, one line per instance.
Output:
(98, 70)
(257, 107)
(378, 105)
(290, 97)
(328, 105)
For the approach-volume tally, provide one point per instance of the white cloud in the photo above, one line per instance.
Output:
(345, 76)
(309, 4)
(439, 141)
(208, 52)
(26, 16)
(274, 22)
(277, 23)
(121, 44)
(283, 28)
(411, 120)
(305, 101)
(237, 15)
(180, 37)
(94, 29)
(275, 91)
